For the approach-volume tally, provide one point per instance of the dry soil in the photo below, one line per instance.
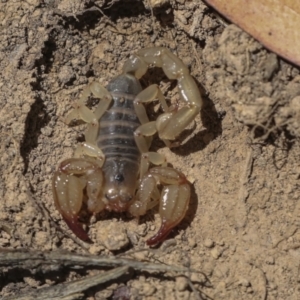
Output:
(241, 154)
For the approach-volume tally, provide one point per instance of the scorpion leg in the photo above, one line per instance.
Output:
(173, 200)
(144, 132)
(73, 176)
(140, 135)
(171, 123)
(148, 129)
(89, 147)
(82, 112)
(91, 150)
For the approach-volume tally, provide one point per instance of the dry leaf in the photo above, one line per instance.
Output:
(274, 23)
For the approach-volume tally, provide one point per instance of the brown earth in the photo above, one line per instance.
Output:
(241, 155)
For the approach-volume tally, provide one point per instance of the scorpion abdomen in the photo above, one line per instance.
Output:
(116, 139)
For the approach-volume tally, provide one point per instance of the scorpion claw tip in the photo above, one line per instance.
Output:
(77, 228)
(161, 235)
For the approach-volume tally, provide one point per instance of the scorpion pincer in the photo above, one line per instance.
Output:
(114, 169)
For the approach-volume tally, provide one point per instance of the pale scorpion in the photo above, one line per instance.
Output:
(113, 169)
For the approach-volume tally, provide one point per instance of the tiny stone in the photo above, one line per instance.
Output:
(209, 243)
(221, 243)
(100, 49)
(66, 74)
(112, 235)
(47, 131)
(192, 243)
(41, 238)
(104, 294)
(32, 282)
(48, 170)
(198, 277)
(216, 253)
(141, 256)
(181, 283)
(96, 249)
(148, 289)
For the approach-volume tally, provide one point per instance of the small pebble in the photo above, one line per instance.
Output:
(112, 235)
(208, 243)
(181, 284)
(216, 253)
(192, 243)
(66, 74)
(96, 249)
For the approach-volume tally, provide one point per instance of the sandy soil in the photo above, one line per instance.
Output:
(241, 155)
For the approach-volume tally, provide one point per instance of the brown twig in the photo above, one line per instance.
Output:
(33, 259)
(71, 290)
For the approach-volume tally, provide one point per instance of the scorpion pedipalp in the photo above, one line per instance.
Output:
(72, 177)
(173, 199)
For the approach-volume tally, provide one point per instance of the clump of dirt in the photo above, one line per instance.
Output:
(241, 156)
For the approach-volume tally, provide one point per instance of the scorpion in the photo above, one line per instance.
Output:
(113, 169)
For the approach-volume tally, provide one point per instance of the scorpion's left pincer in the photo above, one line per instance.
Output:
(113, 169)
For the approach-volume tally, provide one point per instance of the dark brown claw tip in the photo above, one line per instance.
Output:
(77, 229)
(160, 236)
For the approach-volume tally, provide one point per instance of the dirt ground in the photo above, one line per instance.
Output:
(241, 154)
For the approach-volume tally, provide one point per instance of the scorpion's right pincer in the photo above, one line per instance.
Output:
(113, 169)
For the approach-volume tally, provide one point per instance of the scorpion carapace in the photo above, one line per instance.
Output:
(113, 169)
